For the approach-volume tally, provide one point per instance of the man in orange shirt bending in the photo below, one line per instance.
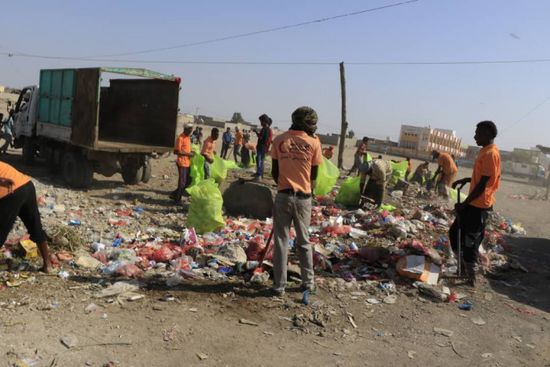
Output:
(446, 172)
(209, 150)
(296, 157)
(473, 212)
(183, 161)
(18, 199)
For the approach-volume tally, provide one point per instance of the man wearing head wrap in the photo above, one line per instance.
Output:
(296, 156)
(378, 171)
(264, 140)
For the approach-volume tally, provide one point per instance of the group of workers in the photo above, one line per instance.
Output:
(296, 156)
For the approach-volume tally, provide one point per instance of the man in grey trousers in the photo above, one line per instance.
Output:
(296, 156)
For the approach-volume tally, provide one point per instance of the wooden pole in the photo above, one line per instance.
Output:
(344, 128)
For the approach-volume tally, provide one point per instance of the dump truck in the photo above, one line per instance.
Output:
(79, 122)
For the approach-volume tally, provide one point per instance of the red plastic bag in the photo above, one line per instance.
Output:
(337, 230)
(164, 254)
(255, 248)
(129, 271)
(146, 252)
(181, 263)
(100, 256)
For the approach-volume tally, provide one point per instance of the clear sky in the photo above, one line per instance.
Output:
(380, 98)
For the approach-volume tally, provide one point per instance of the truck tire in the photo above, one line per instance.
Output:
(28, 152)
(132, 175)
(77, 170)
(69, 169)
(147, 172)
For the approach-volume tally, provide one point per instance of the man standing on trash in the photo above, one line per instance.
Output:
(445, 173)
(379, 171)
(239, 139)
(359, 156)
(264, 140)
(209, 150)
(296, 157)
(183, 161)
(227, 138)
(474, 211)
(18, 199)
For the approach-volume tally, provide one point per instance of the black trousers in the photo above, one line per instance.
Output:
(472, 224)
(225, 150)
(21, 203)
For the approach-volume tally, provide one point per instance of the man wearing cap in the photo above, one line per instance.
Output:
(183, 161)
(296, 157)
(18, 199)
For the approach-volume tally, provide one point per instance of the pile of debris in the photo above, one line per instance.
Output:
(405, 241)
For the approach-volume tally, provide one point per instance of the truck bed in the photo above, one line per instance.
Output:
(116, 146)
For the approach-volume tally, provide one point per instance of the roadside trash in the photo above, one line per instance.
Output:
(327, 175)
(74, 222)
(466, 306)
(205, 211)
(417, 267)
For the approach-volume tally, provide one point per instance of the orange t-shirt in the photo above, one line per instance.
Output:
(296, 153)
(447, 164)
(183, 145)
(487, 164)
(19, 179)
(208, 147)
(239, 138)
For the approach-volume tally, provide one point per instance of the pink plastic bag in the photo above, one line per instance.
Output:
(255, 248)
(129, 271)
(164, 254)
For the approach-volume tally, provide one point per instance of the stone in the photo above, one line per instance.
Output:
(249, 199)
(444, 332)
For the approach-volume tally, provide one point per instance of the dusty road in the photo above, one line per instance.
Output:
(508, 326)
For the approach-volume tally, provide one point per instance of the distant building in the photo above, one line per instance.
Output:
(334, 139)
(2, 89)
(423, 140)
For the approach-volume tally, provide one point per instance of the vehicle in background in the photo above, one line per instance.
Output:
(79, 125)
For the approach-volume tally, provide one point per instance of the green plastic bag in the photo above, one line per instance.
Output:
(197, 166)
(327, 175)
(398, 171)
(205, 210)
(453, 196)
(387, 207)
(231, 164)
(350, 192)
(218, 170)
(367, 158)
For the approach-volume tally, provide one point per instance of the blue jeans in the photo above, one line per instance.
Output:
(260, 156)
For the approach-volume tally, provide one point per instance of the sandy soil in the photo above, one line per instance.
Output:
(201, 326)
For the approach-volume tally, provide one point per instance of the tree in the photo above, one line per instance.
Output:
(237, 118)
(351, 134)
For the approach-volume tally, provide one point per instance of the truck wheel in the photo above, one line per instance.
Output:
(86, 172)
(28, 152)
(132, 175)
(147, 172)
(70, 169)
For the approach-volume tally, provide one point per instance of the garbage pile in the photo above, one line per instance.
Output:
(405, 241)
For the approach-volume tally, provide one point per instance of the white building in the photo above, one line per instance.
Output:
(425, 139)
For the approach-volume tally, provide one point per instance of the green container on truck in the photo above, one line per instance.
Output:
(81, 123)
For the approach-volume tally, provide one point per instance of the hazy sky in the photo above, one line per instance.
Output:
(380, 98)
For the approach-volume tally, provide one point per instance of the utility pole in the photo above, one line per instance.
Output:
(344, 128)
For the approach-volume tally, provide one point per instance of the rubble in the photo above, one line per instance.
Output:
(402, 244)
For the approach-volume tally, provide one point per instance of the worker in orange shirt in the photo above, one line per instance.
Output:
(183, 161)
(296, 156)
(445, 173)
(328, 152)
(18, 199)
(474, 211)
(239, 140)
(208, 151)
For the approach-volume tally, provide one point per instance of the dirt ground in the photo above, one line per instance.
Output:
(203, 325)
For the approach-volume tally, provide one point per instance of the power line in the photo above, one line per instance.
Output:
(298, 63)
(268, 30)
(527, 114)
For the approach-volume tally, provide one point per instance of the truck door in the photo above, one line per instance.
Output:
(25, 112)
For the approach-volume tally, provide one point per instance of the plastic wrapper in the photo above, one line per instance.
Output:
(129, 271)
